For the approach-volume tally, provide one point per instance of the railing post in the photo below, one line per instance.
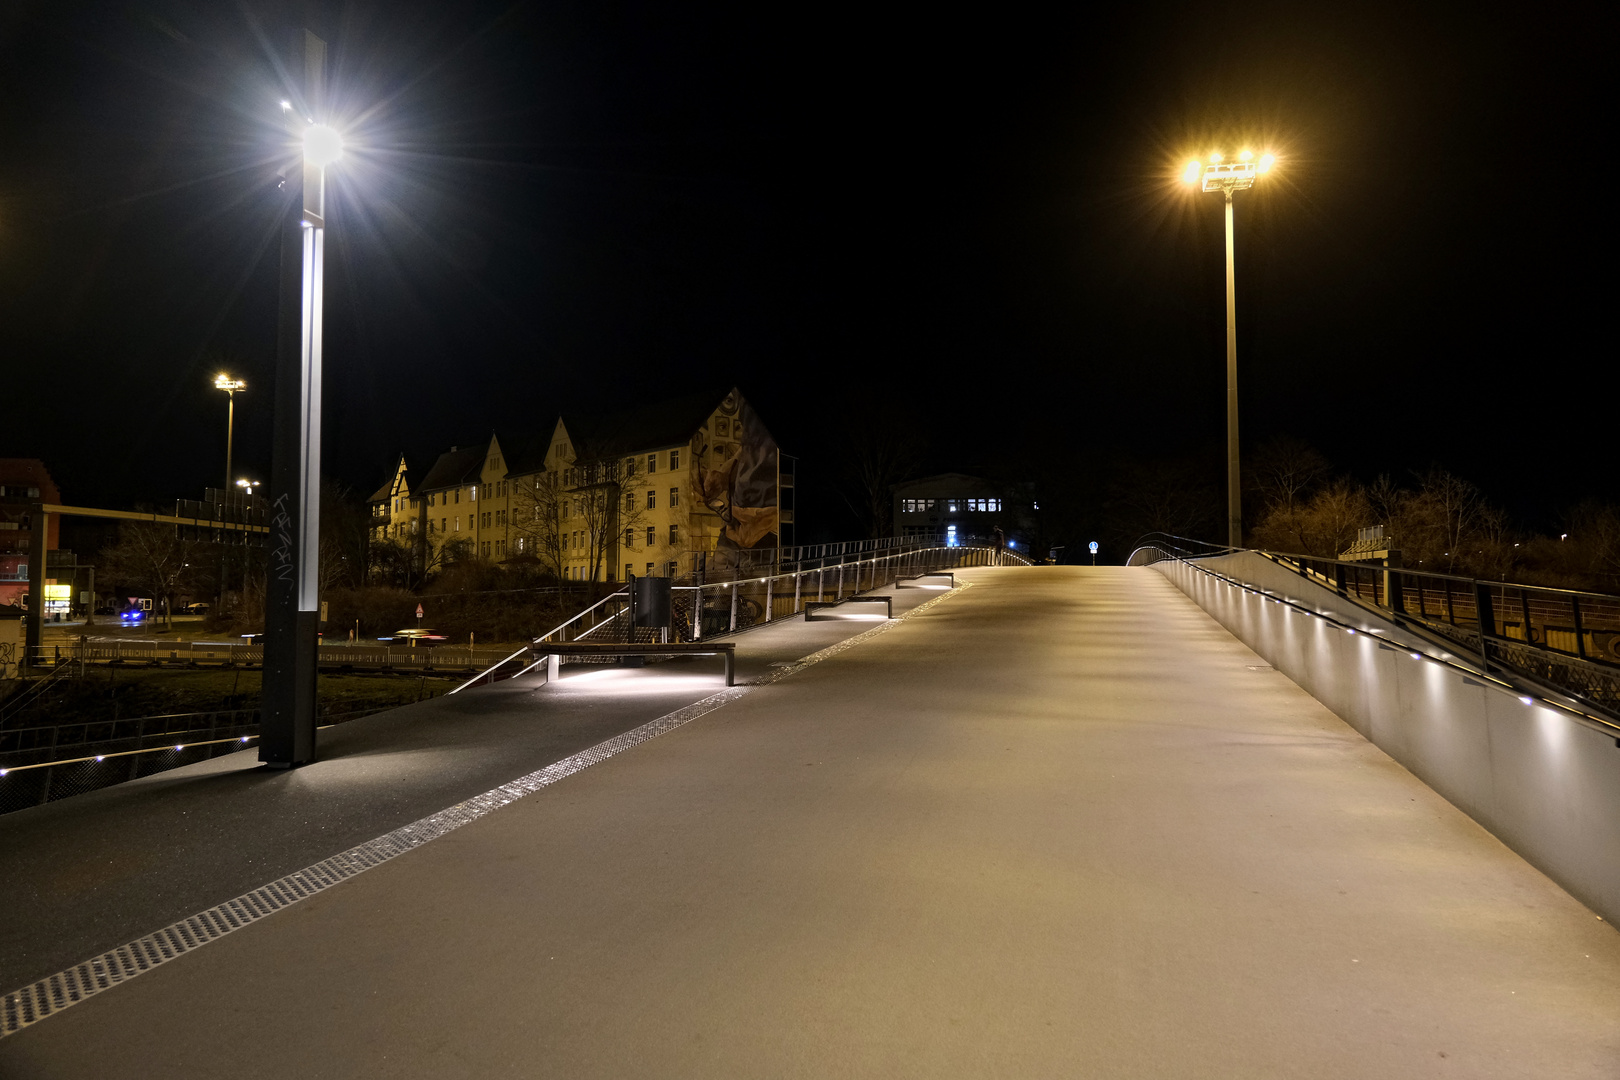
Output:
(1486, 613)
(770, 593)
(697, 615)
(839, 595)
(1580, 635)
(798, 579)
(733, 607)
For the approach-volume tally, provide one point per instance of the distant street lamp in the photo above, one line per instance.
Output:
(230, 386)
(1228, 177)
(292, 599)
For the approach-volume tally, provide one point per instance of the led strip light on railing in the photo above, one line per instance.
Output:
(1607, 726)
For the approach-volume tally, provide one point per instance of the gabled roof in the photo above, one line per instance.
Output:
(642, 427)
(457, 466)
(386, 492)
(524, 454)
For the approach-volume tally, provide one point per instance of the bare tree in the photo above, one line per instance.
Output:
(537, 513)
(156, 559)
(1284, 470)
(879, 450)
(1440, 522)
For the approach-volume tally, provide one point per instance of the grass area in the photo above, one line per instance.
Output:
(108, 691)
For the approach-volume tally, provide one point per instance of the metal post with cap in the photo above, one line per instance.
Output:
(292, 595)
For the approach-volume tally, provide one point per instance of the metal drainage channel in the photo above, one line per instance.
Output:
(33, 1003)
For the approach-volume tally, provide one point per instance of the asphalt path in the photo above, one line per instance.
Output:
(84, 875)
(1058, 824)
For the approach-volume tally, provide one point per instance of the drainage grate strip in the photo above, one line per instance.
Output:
(52, 994)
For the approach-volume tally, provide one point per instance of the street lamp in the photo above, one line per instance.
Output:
(292, 598)
(230, 386)
(1228, 177)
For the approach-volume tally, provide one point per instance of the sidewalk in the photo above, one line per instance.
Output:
(87, 874)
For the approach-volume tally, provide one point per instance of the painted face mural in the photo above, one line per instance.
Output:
(736, 478)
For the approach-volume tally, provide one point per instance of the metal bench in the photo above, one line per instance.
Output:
(553, 652)
(821, 605)
(922, 581)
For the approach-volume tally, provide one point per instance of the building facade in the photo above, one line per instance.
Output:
(671, 489)
(24, 482)
(958, 509)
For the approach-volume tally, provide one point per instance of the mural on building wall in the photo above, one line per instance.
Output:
(735, 478)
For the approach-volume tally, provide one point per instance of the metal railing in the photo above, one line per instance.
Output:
(1562, 637)
(1560, 640)
(47, 762)
(57, 658)
(742, 602)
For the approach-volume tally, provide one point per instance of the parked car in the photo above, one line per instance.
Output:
(195, 609)
(419, 636)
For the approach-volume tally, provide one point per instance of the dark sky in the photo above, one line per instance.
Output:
(970, 216)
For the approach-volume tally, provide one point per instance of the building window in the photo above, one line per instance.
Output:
(674, 496)
(629, 538)
(650, 569)
(652, 500)
(629, 466)
(652, 463)
(674, 460)
(674, 534)
(629, 571)
(652, 535)
(443, 525)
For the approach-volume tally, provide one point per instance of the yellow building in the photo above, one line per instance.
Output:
(668, 490)
(395, 513)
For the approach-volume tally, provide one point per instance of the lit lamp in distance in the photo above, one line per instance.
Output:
(1228, 177)
(230, 386)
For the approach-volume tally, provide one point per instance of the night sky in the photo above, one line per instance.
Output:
(967, 216)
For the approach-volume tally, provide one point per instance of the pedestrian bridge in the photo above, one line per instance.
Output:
(1055, 821)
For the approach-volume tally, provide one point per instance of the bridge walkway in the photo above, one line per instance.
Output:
(1059, 823)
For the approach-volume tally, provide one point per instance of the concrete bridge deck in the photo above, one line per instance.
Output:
(1059, 823)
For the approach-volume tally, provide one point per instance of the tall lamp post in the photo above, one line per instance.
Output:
(1227, 178)
(292, 585)
(230, 386)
